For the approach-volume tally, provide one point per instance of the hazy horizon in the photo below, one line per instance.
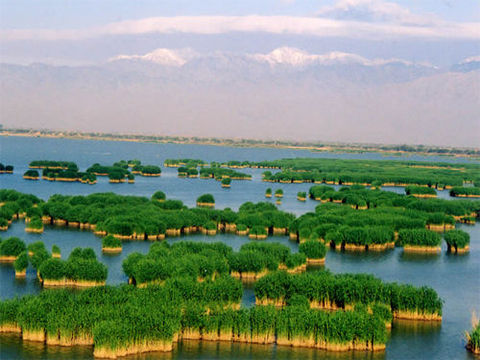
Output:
(70, 132)
(365, 71)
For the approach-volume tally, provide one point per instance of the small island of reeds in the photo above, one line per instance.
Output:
(56, 252)
(81, 269)
(31, 175)
(159, 196)
(419, 240)
(203, 261)
(34, 225)
(124, 320)
(206, 200)
(52, 164)
(11, 248)
(189, 168)
(184, 162)
(437, 175)
(327, 291)
(314, 250)
(111, 244)
(302, 196)
(458, 241)
(421, 191)
(147, 170)
(226, 182)
(473, 337)
(389, 219)
(473, 192)
(6, 169)
(20, 265)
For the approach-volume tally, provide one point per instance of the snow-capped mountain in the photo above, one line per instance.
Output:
(285, 93)
(279, 63)
(161, 56)
(471, 63)
(282, 56)
(296, 57)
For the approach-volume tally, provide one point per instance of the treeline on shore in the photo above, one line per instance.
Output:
(318, 146)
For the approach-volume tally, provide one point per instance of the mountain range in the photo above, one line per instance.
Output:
(287, 93)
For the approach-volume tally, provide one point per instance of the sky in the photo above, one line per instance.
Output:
(69, 32)
(344, 67)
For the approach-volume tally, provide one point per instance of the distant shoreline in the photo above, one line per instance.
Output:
(392, 150)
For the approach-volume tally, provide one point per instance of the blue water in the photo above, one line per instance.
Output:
(455, 278)
(19, 151)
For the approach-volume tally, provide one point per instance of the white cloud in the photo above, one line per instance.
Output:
(376, 11)
(283, 25)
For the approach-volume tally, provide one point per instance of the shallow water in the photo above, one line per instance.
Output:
(455, 278)
(19, 151)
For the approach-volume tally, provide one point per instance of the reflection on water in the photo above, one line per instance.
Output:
(425, 258)
(411, 328)
(13, 347)
(231, 350)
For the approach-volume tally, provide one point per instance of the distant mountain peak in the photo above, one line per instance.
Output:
(338, 57)
(296, 57)
(470, 59)
(286, 55)
(280, 57)
(471, 63)
(161, 56)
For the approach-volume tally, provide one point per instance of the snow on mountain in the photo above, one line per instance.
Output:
(295, 57)
(161, 56)
(282, 56)
(471, 59)
(286, 55)
(471, 63)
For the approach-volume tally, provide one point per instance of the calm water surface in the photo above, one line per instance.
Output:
(455, 278)
(19, 151)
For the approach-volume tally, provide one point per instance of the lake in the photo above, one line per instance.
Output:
(455, 278)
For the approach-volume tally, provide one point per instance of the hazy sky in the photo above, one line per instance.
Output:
(442, 32)
(418, 57)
